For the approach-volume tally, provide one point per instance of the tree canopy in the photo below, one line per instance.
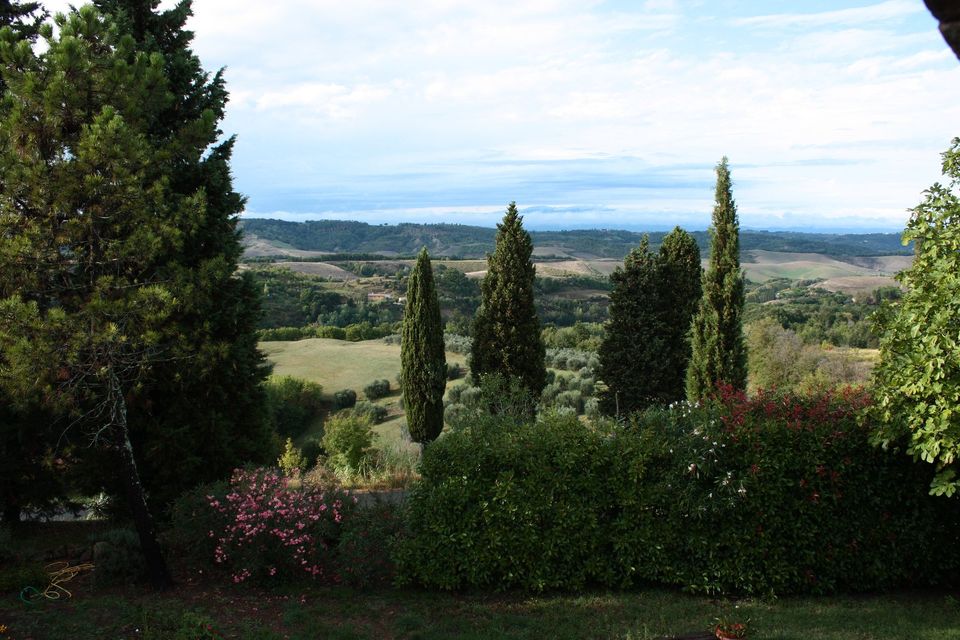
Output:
(719, 353)
(506, 333)
(423, 373)
(917, 380)
(646, 346)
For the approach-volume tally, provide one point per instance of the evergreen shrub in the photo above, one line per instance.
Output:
(374, 413)
(377, 389)
(344, 399)
(293, 404)
(118, 558)
(774, 494)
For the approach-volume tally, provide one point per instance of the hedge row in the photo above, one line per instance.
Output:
(769, 495)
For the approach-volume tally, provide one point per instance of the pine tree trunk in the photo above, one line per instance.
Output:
(136, 498)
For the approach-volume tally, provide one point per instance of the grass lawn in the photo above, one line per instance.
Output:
(338, 364)
(337, 613)
(312, 612)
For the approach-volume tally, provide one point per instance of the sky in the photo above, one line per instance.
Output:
(587, 113)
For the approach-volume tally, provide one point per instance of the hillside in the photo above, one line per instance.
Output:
(267, 237)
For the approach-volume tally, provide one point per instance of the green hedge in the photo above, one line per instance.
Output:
(769, 495)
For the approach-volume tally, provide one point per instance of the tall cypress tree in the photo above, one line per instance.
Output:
(506, 331)
(646, 347)
(204, 405)
(423, 374)
(719, 354)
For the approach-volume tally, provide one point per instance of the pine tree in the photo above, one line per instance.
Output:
(204, 406)
(424, 364)
(646, 348)
(506, 332)
(86, 223)
(719, 354)
(25, 434)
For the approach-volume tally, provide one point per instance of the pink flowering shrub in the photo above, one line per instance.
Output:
(263, 527)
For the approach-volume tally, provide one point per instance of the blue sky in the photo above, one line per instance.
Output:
(588, 113)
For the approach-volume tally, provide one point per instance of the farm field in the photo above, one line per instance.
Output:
(853, 275)
(857, 285)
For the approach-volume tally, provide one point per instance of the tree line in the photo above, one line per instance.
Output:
(672, 333)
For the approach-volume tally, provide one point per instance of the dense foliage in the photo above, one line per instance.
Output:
(293, 299)
(817, 315)
(775, 494)
(918, 377)
(646, 348)
(262, 527)
(719, 354)
(779, 359)
(377, 389)
(93, 301)
(293, 405)
(423, 375)
(506, 331)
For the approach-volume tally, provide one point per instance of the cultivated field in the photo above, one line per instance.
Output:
(256, 247)
(322, 269)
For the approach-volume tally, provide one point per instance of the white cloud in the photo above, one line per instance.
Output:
(327, 93)
(855, 16)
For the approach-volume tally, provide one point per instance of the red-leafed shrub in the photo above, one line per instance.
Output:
(770, 494)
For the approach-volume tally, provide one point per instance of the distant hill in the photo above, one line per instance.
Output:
(278, 237)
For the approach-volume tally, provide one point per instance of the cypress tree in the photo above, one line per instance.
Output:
(646, 348)
(423, 375)
(719, 354)
(506, 331)
(202, 412)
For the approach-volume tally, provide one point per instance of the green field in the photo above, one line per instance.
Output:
(338, 364)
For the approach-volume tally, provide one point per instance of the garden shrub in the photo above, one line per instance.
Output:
(377, 389)
(775, 494)
(454, 371)
(375, 413)
(293, 404)
(193, 522)
(569, 400)
(785, 494)
(347, 440)
(266, 529)
(292, 461)
(453, 393)
(118, 559)
(367, 539)
(455, 414)
(505, 505)
(344, 399)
